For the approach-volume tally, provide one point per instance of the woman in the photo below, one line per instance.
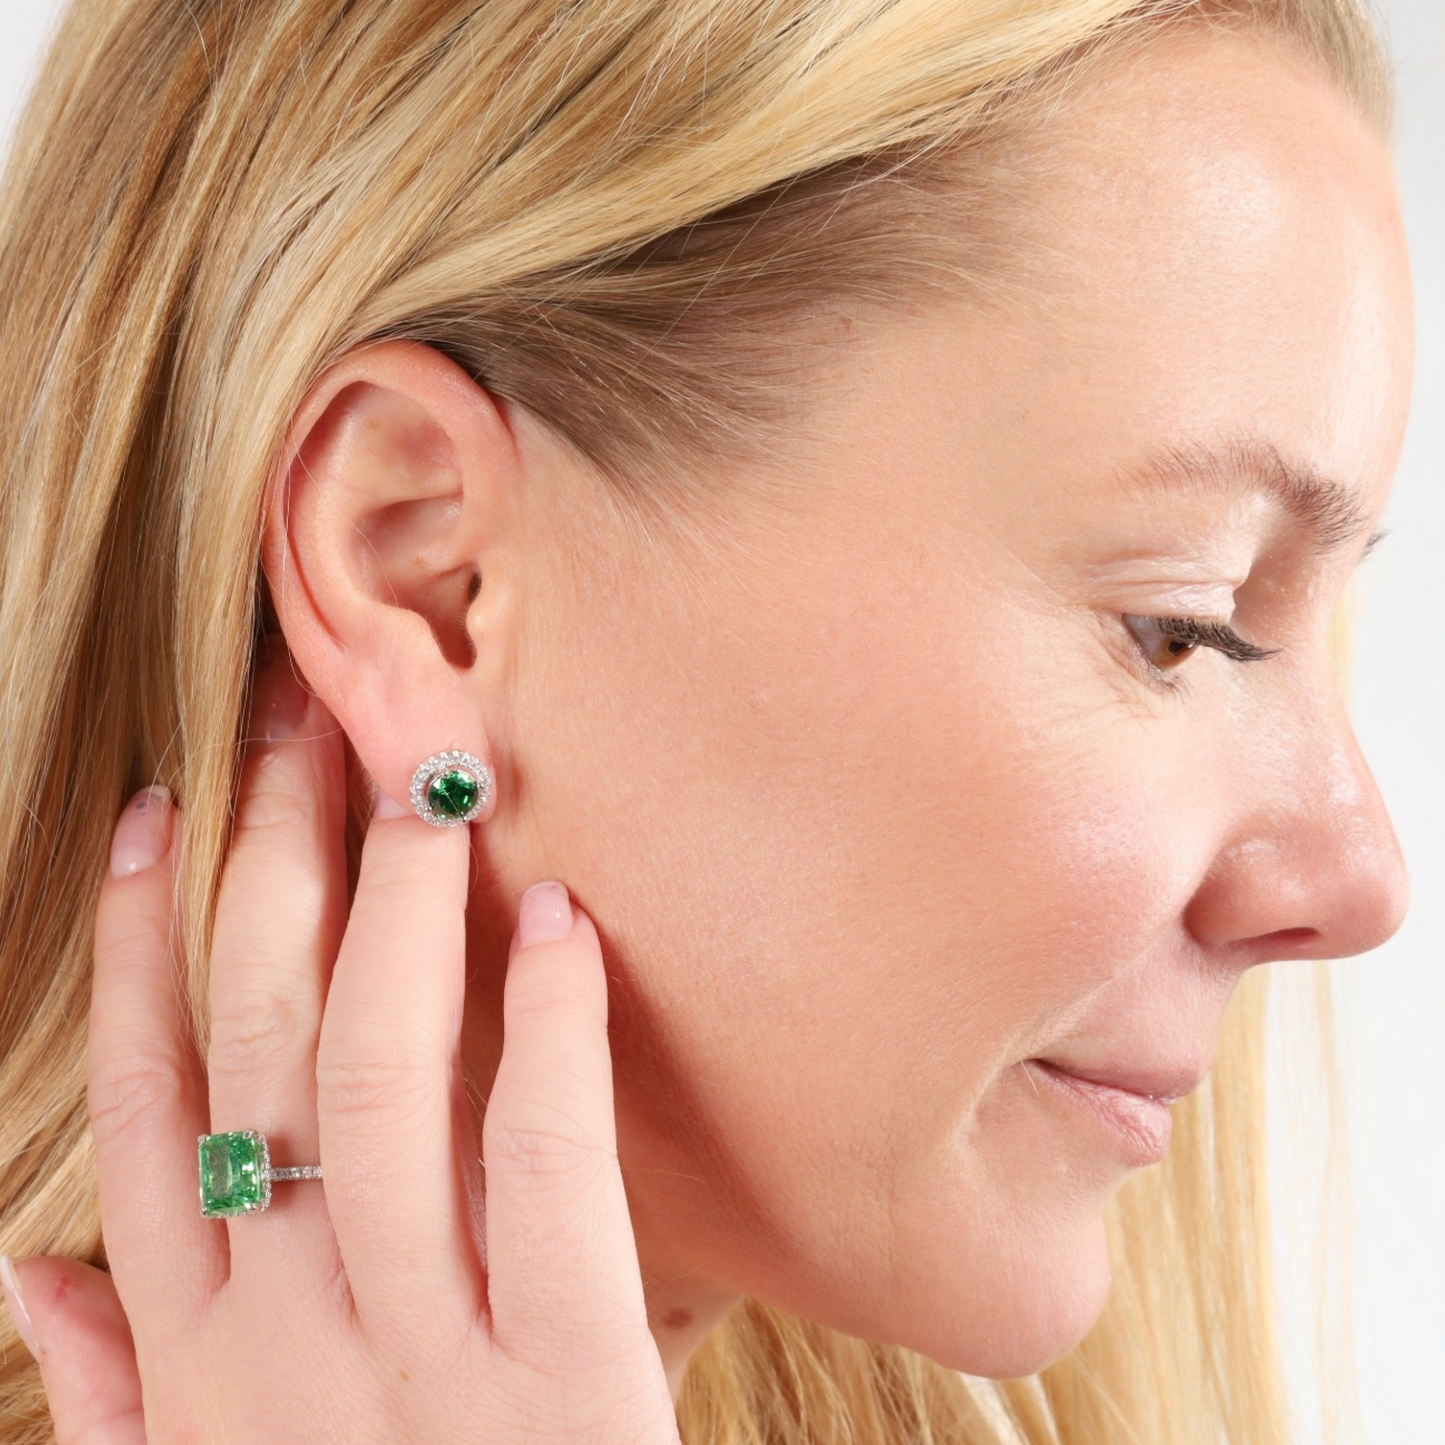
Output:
(847, 499)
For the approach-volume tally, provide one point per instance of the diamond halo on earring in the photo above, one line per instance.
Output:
(451, 788)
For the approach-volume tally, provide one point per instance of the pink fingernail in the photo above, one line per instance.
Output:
(278, 701)
(545, 913)
(388, 807)
(18, 1312)
(142, 837)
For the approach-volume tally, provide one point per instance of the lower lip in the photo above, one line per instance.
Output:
(1141, 1123)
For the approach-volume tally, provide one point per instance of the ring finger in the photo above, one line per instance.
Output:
(280, 917)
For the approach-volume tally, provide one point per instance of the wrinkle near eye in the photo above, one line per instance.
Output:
(1130, 696)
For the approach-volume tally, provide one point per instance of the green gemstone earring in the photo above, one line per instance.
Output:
(451, 788)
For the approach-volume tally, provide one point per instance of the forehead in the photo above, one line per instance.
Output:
(1220, 253)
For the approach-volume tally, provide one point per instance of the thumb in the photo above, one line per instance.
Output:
(70, 1315)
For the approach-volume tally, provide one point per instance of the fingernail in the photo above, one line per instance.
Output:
(142, 837)
(17, 1306)
(388, 807)
(545, 914)
(278, 701)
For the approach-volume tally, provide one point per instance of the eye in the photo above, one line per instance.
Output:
(1175, 638)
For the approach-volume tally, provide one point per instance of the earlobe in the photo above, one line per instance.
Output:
(388, 503)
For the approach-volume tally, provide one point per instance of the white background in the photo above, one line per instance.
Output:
(1395, 997)
(1397, 1082)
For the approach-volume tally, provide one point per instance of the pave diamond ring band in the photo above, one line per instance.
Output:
(236, 1173)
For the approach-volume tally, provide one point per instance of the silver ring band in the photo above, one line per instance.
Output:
(295, 1171)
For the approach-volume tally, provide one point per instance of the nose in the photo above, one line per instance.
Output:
(1311, 867)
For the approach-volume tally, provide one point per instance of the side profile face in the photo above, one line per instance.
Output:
(870, 789)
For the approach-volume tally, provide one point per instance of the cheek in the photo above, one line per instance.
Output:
(861, 864)
(1019, 809)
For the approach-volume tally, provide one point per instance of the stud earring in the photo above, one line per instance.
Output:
(451, 788)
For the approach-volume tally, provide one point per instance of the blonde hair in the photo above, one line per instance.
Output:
(606, 211)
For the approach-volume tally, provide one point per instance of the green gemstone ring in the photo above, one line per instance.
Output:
(451, 788)
(236, 1173)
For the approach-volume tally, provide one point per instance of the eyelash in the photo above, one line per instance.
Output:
(1203, 632)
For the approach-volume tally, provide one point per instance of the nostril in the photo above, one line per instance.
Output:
(1285, 941)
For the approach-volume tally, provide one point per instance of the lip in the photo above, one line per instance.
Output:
(1165, 1085)
(1139, 1121)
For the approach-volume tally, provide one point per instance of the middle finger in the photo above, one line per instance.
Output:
(279, 921)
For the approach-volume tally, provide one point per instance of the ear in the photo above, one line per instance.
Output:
(392, 507)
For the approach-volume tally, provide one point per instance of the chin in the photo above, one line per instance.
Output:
(1012, 1316)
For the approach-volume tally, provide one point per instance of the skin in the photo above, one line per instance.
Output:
(865, 788)
(865, 794)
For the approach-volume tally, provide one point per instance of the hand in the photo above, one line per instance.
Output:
(395, 1300)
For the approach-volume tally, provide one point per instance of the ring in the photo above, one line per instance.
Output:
(236, 1173)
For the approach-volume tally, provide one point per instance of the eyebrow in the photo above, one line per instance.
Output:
(1325, 510)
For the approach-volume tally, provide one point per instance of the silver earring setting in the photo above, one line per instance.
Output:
(451, 788)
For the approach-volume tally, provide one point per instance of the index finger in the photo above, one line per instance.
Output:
(563, 1273)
